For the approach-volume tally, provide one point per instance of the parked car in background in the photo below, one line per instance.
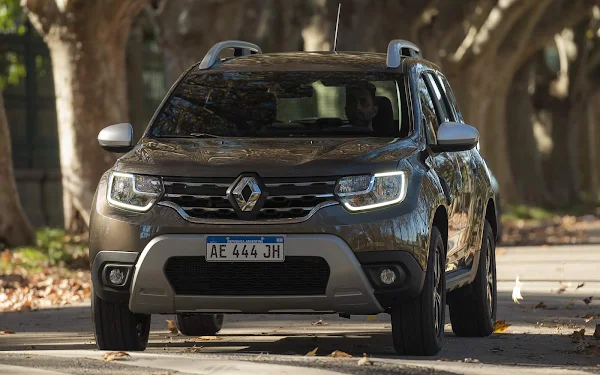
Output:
(300, 182)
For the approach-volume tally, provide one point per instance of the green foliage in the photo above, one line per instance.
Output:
(53, 248)
(522, 212)
(12, 21)
(12, 18)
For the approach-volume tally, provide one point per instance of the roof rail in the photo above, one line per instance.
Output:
(401, 48)
(240, 48)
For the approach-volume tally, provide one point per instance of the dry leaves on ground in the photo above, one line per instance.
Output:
(588, 300)
(339, 354)
(558, 230)
(516, 294)
(578, 336)
(172, 326)
(313, 352)
(112, 356)
(541, 305)
(54, 286)
(580, 285)
(208, 338)
(365, 361)
(501, 326)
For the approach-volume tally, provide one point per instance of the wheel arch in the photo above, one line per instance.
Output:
(491, 215)
(440, 221)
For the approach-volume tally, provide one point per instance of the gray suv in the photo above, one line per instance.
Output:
(304, 182)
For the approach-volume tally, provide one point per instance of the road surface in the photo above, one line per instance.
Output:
(537, 342)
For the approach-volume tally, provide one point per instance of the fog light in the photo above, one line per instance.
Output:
(116, 276)
(387, 276)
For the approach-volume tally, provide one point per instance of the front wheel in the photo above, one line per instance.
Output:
(418, 325)
(473, 307)
(117, 328)
(199, 324)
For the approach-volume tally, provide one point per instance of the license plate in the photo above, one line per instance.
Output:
(245, 249)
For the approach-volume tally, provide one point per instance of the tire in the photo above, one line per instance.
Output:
(472, 310)
(199, 324)
(418, 325)
(117, 328)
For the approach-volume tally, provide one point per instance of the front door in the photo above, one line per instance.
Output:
(448, 167)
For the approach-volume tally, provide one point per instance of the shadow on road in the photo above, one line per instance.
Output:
(538, 336)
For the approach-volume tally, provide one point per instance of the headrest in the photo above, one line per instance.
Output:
(383, 122)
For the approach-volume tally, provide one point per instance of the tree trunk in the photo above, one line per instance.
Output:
(15, 229)
(87, 45)
(187, 29)
(524, 153)
(135, 79)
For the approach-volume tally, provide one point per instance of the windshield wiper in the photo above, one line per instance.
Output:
(204, 135)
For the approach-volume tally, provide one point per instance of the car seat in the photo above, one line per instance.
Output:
(383, 122)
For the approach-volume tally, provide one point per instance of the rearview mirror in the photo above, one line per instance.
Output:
(116, 138)
(455, 136)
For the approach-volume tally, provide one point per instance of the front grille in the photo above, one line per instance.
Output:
(297, 275)
(287, 198)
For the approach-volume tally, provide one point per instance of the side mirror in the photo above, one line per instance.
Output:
(455, 136)
(116, 138)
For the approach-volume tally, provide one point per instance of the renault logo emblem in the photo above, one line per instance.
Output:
(246, 193)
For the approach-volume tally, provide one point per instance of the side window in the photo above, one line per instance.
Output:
(430, 120)
(444, 110)
(451, 98)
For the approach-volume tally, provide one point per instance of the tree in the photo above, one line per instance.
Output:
(87, 42)
(187, 29)
(15, 229)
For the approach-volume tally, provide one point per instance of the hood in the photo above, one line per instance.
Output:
(267, 157)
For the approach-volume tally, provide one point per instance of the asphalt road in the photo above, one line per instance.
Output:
(537, 342)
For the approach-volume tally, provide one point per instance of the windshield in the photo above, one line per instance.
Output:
(285, 104)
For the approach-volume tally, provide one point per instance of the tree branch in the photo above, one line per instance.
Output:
(559, 16)
(41, 13)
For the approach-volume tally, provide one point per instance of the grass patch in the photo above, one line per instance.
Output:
(522, 212)
(53, 248)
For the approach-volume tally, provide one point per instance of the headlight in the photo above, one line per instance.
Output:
(359, 193)
(133, 192)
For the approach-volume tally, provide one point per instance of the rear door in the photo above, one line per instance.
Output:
(447, 166)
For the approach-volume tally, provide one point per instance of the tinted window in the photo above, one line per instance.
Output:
(431, 123)
(443, 109)
(451, 98)
(284, 104)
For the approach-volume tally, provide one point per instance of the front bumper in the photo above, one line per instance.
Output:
(349, 290)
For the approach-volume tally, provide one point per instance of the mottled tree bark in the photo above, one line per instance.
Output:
(187, 29)
(15, 229)
(87, 42)
(524, 153)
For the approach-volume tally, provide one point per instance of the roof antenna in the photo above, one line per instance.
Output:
(336, 28)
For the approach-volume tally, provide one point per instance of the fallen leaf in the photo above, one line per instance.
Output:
(7, 332)
(501, 326)
(541, 305)
(516, 294)
(172, 327)
(318, 323)
(111, 356)
(561, 290)
(470, 360)
(371, 318)
(194, 349)
(597, 332)
(588, 300)
(209, 338)
(364, 361)
(313, 352)
(580, 285)
(339, 354)
(578, 336)
(588, 318)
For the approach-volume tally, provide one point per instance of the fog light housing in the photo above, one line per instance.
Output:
(115, 275)
(387, 276)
